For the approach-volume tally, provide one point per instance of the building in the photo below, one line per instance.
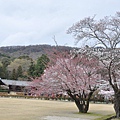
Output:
(14, 85)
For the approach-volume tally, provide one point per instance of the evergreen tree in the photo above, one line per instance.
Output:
(5, 62)
(41, 65)
(31, 69)
(14, 76)
(19, 71)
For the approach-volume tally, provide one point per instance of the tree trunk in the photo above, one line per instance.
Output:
(117, 104)
(83, 104)
(82, 107)
(81, 101)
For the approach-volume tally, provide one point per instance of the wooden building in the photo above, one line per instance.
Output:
(14, 85)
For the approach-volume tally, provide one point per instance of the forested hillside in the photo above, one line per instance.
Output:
(24, 62)
(33, 51)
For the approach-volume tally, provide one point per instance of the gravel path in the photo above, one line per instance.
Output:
(61, 118)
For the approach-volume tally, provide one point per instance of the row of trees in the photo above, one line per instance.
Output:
(22, 68)
(79, 74)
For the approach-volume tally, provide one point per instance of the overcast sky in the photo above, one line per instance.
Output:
(31, 22)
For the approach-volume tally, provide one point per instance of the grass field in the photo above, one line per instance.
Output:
(31, 109)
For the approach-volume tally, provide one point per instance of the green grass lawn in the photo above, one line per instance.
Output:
(32, 109)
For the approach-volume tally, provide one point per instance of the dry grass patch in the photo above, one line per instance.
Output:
(31, 109)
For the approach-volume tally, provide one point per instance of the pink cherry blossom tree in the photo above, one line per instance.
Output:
(77, 76)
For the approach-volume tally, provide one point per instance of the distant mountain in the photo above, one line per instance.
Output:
(33, 51)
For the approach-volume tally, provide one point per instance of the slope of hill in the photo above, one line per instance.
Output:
(33, 51)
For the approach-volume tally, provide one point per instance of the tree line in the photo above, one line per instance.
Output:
(23, 67)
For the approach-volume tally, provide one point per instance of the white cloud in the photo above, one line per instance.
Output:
(25, 22)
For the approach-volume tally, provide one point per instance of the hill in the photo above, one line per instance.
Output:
(33, 51)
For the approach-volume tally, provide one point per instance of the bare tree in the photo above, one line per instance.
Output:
(105, 33)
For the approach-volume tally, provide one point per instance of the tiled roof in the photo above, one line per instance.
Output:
(15, 82)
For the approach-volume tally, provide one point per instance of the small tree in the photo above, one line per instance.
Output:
(77, 76)
(105, 33)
